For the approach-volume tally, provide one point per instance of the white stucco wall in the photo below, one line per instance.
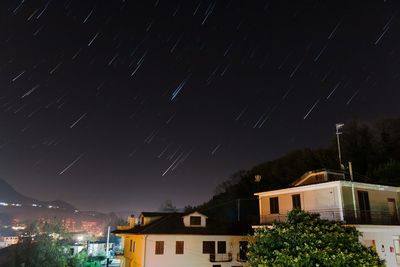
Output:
(193, 251)
(326, 200)
(383, 236)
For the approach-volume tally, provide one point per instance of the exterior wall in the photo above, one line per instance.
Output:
(318, 199)
(193, 251)
(382, 238)
(133, 258)
(8, 241)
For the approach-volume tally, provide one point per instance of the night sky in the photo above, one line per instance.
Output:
(120, 105)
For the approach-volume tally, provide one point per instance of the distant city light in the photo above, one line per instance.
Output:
(18, 227)
(3, 204)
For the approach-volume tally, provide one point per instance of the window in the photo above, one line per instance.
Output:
(195, 220)
(159, 247)
(296, 202)
(179, 247)
(216, 265)
(134, 246)
(221, 247)
(274, 205)
(130, 246)
(208, 247)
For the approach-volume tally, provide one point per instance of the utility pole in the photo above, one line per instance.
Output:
(338, 127)
(107, 247)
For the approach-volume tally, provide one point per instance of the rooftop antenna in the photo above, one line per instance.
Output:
(338, 127)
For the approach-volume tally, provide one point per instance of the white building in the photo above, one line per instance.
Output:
(182, 240)
(6, 241)
(371, 208)
(8, 237)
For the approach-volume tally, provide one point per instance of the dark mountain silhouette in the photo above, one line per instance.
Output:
(9, 196)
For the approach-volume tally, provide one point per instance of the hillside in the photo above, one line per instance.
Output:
(16, 208)
(372, 147)
(9, 197)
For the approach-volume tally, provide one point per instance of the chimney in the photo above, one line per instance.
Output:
(131, 221)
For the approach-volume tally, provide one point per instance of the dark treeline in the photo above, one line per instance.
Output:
(372, 147)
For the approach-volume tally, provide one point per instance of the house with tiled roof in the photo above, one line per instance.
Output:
(182, 240)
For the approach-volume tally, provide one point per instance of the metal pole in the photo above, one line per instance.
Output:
(108, 244)
(352, 190)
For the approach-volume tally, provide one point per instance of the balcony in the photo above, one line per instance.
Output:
(372, 217)
(241, 257)
(227, 257)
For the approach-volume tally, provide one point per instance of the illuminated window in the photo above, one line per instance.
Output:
(195, 220)
(179, 247)
(274, 205)
(159, 247)
(130, 246)
(134, 246)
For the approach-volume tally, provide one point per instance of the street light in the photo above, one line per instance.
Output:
(338, 127)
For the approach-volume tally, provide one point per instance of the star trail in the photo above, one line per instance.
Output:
(120, 105)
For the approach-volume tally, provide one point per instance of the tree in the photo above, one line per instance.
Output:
(306, 240)
(389, 172)
(43, 245)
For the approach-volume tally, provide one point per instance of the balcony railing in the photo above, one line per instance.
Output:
(226, 257)
(374, 217)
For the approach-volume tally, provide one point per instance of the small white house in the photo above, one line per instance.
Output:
(183, 240)
(371, 208)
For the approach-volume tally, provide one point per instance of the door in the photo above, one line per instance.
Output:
(363, 204)
(243, 251)
(392, 211)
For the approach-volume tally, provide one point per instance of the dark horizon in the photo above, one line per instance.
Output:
(118, 106)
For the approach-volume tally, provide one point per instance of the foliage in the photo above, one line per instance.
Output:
(390, 172)
(43, 245)
(307, 240)
(79, 259)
